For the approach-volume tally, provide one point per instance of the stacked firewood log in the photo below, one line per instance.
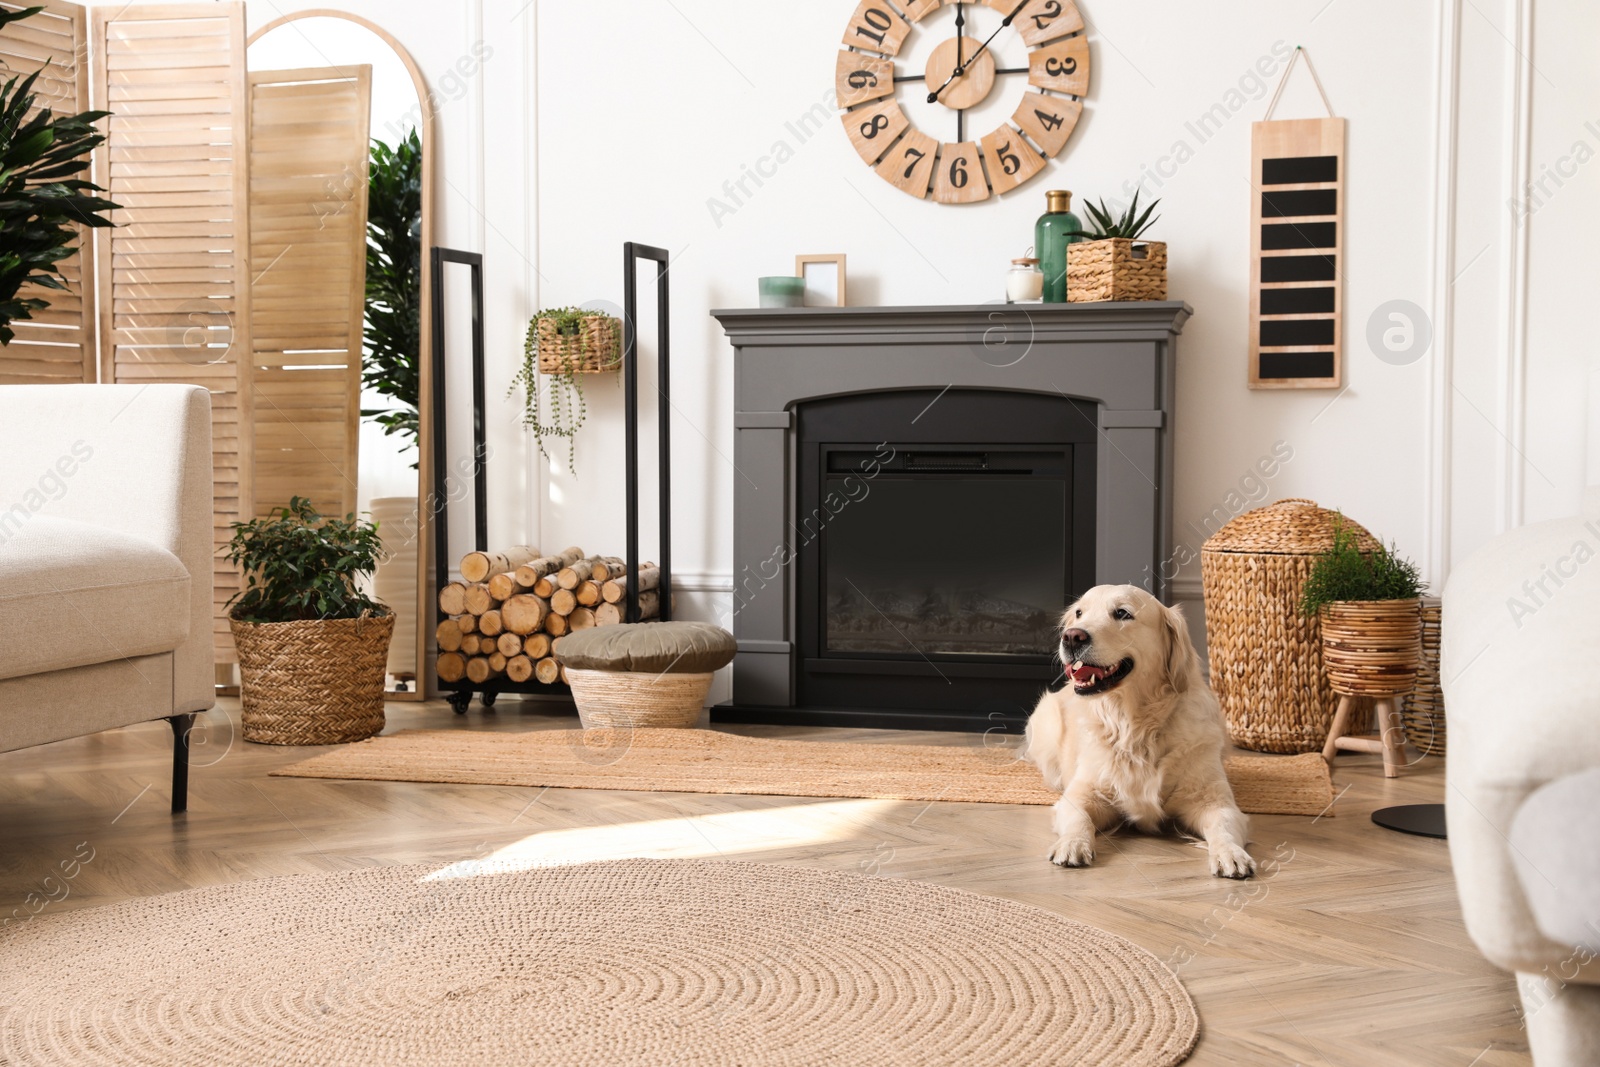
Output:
(511, 608)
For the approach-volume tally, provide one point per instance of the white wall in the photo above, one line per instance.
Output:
(572, 134)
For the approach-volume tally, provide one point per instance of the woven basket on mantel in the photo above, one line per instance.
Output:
(1116, 269)
(1266, 657)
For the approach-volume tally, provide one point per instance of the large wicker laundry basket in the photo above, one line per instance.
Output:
(1266, 658)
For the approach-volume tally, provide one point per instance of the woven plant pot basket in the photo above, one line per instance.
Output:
(1266, 657)
(317, 682)
(594, 349)
(1424, 709)
(1115, 269)
(631, 699)
(1371, 648)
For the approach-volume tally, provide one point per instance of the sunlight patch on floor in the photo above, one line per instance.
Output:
(693, 837)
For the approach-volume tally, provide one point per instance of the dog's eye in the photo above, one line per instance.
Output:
(1080, 613)
(1122, 613)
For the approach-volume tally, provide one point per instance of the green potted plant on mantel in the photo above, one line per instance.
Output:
(564, 344)
(312, 646)
(1111, 263)
(41, 203)
(1370, 612)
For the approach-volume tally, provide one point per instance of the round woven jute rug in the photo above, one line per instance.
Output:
(640, 961)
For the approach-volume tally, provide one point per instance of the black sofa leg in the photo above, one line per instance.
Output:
(181, 725)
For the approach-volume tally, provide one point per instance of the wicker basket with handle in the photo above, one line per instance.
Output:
(595, 348)
(313, 682)
(1266, 657)
(1116, 269)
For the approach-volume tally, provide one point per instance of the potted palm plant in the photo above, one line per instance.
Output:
(1111, 263)
(312, 646)
(41, 202)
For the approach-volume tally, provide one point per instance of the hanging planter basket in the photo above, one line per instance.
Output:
(595, 347)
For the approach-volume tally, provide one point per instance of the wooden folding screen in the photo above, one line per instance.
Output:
(308, 255)
(173, 277)
(57, 344)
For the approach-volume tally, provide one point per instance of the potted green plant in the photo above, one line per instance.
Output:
(393, 328)
(1370, 612)
(564, 344)
(1111, 263)
(312, 646)
(41, 203)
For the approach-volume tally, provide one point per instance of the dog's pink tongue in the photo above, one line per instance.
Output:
(1088, 673)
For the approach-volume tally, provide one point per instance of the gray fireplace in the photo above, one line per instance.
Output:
(921, 491)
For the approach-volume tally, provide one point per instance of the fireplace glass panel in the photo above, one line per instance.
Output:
(946, 564)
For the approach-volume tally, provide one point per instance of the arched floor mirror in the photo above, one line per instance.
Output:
(341, 213)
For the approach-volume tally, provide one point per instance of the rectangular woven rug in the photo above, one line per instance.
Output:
(709, 761)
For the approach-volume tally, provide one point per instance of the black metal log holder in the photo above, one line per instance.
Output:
(631, 254)
(459, 693)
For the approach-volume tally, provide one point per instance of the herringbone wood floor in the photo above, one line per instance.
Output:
(1348, 951)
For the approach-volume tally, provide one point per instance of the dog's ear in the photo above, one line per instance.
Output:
(1183, 663)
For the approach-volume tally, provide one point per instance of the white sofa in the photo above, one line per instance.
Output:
(106, 546)
(1521, 668)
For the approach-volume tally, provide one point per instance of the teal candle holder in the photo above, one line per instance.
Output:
(783, 291)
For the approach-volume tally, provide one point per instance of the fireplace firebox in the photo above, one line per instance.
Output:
(920, 491)
(940, 535)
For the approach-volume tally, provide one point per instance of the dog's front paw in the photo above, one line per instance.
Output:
(1231, 861)
(1072, 852)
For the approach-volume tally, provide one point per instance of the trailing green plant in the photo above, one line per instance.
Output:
(567, 408)
(1129, 225)
(41, 203)
(393, 330)
(300, 564)
(1344, 572)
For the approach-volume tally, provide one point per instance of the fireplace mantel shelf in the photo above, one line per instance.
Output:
(1128, 320)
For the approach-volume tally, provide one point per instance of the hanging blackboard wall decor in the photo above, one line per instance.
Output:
(1297, 226)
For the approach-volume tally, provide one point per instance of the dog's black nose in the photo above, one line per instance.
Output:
(1075, 638)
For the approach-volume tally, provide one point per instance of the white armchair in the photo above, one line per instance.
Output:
(106, 545)
(1521, 668)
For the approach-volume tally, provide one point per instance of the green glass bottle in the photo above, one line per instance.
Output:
(1056, 229)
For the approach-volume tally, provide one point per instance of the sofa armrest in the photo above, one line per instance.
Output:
(1521, 683)
(134, 458)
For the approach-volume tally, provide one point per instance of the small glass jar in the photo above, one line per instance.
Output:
(1024, 282)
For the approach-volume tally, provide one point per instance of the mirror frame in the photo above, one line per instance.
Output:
(425, 472)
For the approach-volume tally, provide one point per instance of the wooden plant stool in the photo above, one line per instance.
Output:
(1391, 739)
(1371, 650)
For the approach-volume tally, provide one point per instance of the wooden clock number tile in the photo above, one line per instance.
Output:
(874, 128)
(909, 165)
(1062, 66)
(1049, 120)
(1009, 159)
(917, 10)
(860, 78)
(958, 176)
(1045, 20)
(877, 27)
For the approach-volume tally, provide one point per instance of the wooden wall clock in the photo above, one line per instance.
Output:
(960, 74)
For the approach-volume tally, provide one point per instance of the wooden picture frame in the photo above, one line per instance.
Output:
(837, 299)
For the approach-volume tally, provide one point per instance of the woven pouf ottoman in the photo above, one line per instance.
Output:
(645, 673)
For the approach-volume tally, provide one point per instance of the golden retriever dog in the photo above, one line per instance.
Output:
(1137, 735)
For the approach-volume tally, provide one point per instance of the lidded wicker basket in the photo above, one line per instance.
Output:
(1266, 657)
(594, 349)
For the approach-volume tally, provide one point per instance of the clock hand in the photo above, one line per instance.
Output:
(961, 68)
